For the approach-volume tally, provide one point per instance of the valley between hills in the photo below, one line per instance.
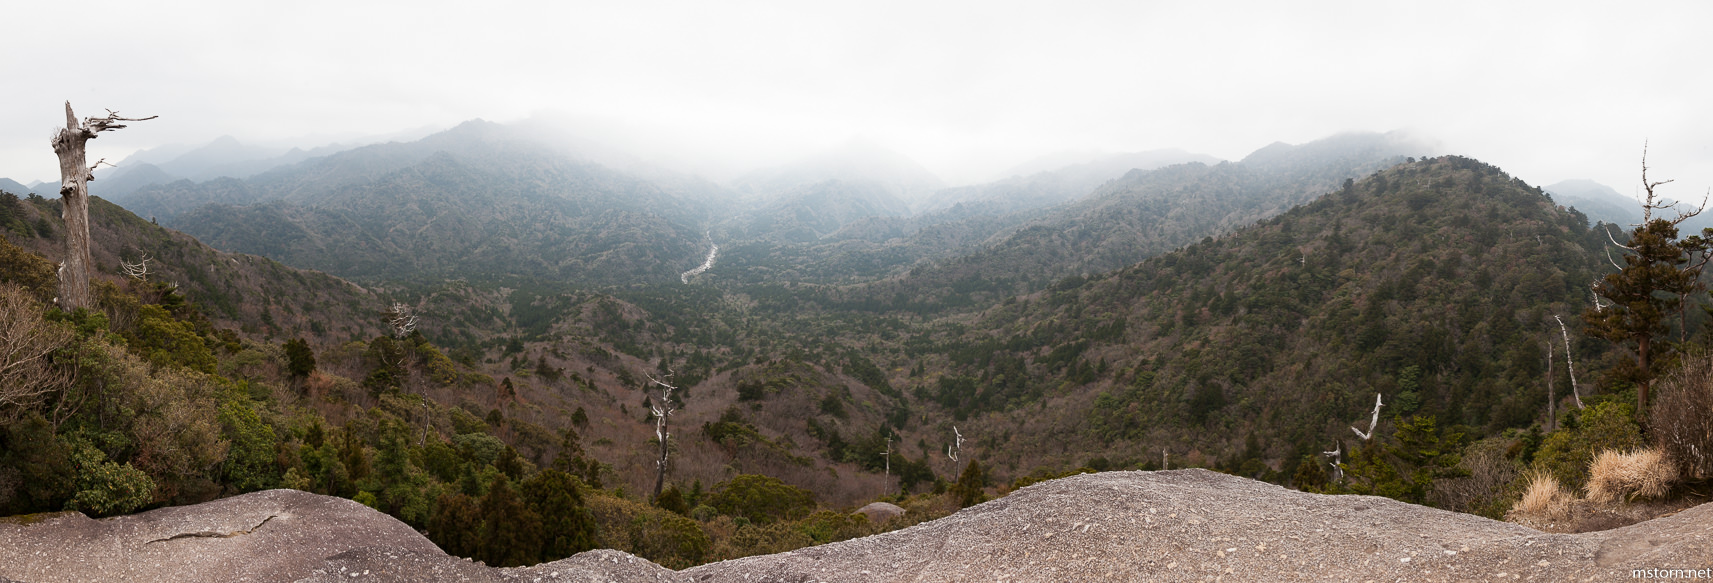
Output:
(479, 334)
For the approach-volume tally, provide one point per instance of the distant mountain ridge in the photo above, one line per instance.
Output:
(224, 157)
(1145, 213)
(1057, 185)
(14, 187)
(474, 201)
(1598, 201)
(442, 207)
(854, 161)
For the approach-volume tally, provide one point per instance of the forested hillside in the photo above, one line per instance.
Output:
(255, 294)
(480, 204)
(1435, 283)
(501, 366)
(1137, 216)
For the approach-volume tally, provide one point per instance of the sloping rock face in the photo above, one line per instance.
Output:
(276, 535)
(1186, 525)
(1191, 525)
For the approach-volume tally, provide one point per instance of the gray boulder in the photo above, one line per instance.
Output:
(878, 512)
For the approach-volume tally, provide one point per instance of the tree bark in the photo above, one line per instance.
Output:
(74, 201)
(1647, 379)
(660, 468)
(74, 176)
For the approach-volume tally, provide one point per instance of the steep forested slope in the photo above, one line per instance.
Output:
(257, 294)
(1434, 282)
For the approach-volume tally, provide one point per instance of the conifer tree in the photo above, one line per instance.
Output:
(1659, 274)
(567, 525)
(969, 487)
(300, 359)
(455, 525)
(511, 531)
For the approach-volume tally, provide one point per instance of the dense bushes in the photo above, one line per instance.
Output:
(762, 499)
(1682, 419)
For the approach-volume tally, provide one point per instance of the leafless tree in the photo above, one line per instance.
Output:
(138, 271)
(26, 341)
(888, 457)
(75, 174)
(1372, 423)
(1337, 455)
(957, 447)
(1571, 363)
(662, 409)
(402, 320)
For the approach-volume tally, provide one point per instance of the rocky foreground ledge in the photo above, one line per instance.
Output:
(1186, 525)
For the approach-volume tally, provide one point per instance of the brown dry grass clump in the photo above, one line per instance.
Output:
(1615, 476)
(1544, 498)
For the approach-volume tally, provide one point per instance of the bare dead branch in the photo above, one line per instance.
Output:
(1654, 202)
(957, 448)
(138, 271)
(1372, 423)
(111, 122)
(402, 320)
(1608, 230)
(1337, 455)
(1569, 362)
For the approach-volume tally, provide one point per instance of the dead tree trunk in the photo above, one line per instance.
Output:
(662, 430)
(75, 174)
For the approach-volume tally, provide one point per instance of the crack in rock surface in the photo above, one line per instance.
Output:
(213, 534)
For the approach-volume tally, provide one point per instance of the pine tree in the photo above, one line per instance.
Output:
(568, 526)
(1660, 272)
(455, 525)
(511, 532)
(300, 360)
(969, 490)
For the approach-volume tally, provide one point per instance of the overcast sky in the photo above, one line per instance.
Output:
(1548, 91)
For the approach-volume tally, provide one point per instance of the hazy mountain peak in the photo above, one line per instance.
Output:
(856, 160)
(1598, 201)
(14, 187)
(226, 141)
(1367, 145)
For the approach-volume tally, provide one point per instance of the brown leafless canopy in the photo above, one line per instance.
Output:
(26, 343)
